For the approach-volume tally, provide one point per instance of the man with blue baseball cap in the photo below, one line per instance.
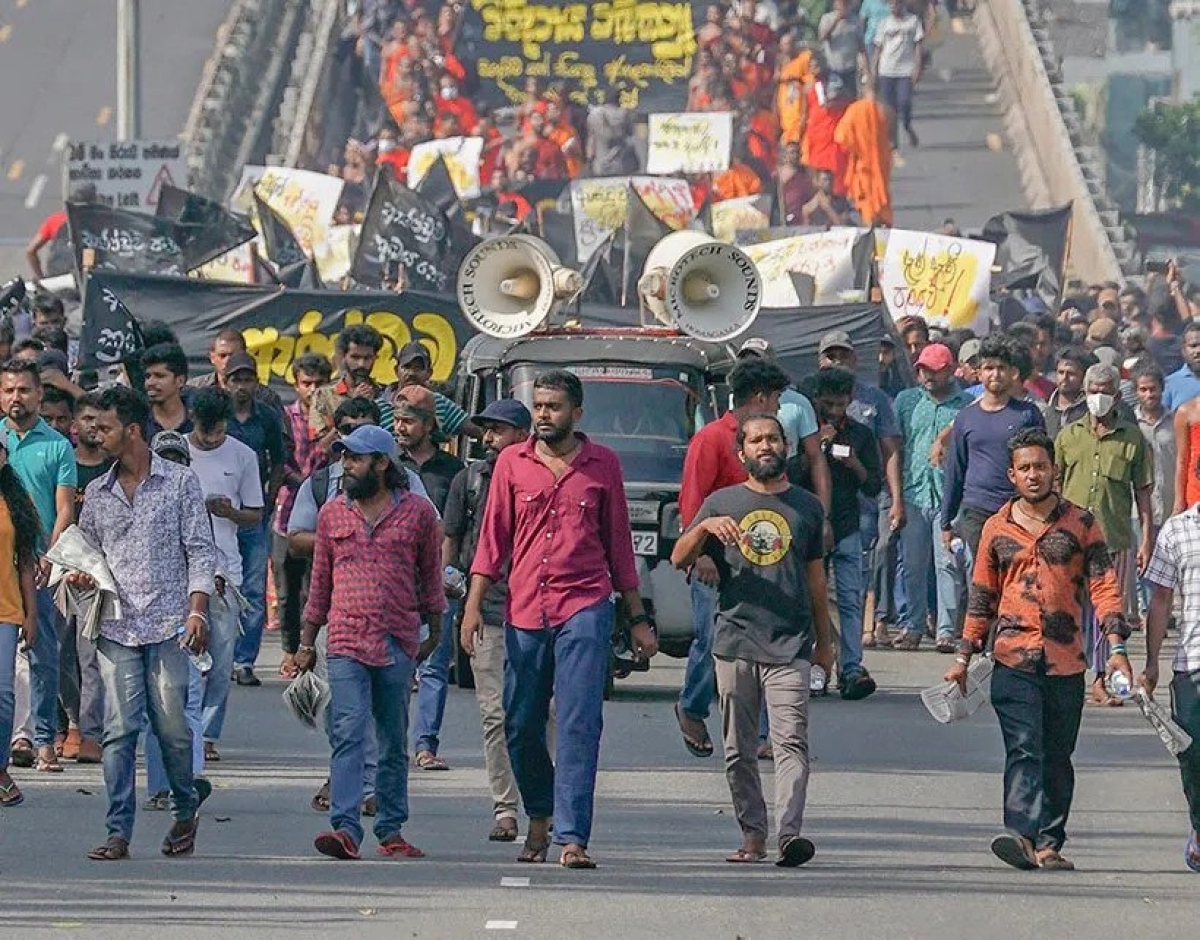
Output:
(376, 578)
(504, 422)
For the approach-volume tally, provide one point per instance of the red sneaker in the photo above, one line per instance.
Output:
(337, 844)
(396, 844)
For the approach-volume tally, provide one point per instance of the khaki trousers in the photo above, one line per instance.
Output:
(488, 666)
(741, 687)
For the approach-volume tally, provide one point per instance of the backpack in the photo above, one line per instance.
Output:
(320, 486)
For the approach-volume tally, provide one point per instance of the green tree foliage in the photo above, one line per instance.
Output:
(1172, 131)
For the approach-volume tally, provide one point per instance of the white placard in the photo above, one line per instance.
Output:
(939, 278)
(462, 156)
(695, 142)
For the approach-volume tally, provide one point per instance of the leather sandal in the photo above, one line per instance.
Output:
(181, 839)
(576, 858)
(114, 850)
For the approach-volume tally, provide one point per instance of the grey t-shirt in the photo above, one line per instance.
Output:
(764, 614)
(842, 46)
(610, 130)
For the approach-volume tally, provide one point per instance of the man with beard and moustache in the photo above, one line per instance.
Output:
(1104, 466)
(225, 344)
(855, 468)
(357, 350)
(147, 509)
(414, 366)
(772, 627)
(376, 578)
(415, 426)
(43, 460)
(1040, 559)
(556, 525)
(165, 370)
(260, 428)
(505, 423)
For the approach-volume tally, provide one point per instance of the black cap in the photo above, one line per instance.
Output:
(240, 362)
(411, 352)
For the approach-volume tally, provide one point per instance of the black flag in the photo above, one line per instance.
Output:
(558, 231)
(403, 230)
(437, 186)
(110, 333)
(127, 241)
(703, 221)
(302, 275)
(214, 230)
(1031, 250)
(283, 250)
(643, 230)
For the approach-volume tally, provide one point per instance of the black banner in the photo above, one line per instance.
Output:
(280, 324)
(641, 50)
(1031, 250)
(110, 334)
(283, 248)
(127, 241)
(216, 229)
(402, 229)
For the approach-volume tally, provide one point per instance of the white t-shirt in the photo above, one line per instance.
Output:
(897, 38)
(229, 470)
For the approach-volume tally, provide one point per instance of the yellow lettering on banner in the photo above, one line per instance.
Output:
(275, 352)
(615, 22)
(938, 284)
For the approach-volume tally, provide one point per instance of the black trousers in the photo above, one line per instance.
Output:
(1185, 709)
(1039, 719)
(969, 526)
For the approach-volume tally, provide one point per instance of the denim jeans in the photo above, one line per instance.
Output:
(1185, 709)
(846, 562)
(569, 663)
(10, 639)
(254, 544)
(922, 544)
(433, 685)
(1039, 720)
(140, 682)
(699, 679)
(370, 745)
(358, 694)
(897, 94)
(156, 770)
(43, 671)
(222, 637)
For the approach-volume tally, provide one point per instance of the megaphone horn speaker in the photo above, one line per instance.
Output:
(707, 289)
(508, 286)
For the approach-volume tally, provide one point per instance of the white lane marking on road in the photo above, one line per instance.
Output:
(35, 191)
(6, 32)
(103, 117)
(500, 925)
(514, 882)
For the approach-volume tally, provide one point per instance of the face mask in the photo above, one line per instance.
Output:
(450, 93)
(387, 146)
(1100, 404)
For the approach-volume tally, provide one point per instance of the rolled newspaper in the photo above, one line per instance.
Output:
(1174, 737)
(945, 701)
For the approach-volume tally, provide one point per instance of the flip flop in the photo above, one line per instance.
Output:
(795, 852)
(576, 858)
(184, 843)
(337, 844)
(396, 844)
(1191, 854)
(1015, 851)
(501, 833)
(114, 850)
(427, 760)
(745, 857)
(320, 802)
(533, 853)
(702, 747)
(11, 795)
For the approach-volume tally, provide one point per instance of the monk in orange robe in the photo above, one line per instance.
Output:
(825, 103)
(863, 134)
(795, 75)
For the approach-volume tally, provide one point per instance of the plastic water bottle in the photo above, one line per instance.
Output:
(958, 548)
(1119, 686)
(817, 680)
(454, 582)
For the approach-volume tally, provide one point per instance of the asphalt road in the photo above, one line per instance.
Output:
(901, 810)
(962, 169)
(58, 72)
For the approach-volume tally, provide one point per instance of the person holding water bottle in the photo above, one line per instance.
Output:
(1040, 558)
(147, 516)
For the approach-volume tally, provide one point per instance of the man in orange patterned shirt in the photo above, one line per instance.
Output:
(1035, 556)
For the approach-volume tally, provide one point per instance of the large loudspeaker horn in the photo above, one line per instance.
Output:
(705, 288)
(509, 285)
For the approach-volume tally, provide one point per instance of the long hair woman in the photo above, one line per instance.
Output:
(18, 608)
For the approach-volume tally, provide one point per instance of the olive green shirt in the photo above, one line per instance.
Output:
(1100, 474)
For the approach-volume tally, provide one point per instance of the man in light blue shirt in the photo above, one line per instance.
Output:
(1184, 384)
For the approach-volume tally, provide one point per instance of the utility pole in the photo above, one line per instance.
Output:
(129, 87)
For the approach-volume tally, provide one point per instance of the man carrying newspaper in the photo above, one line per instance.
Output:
(1176, 566)
(1036, 555)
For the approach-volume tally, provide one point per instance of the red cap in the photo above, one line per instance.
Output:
(935, 357)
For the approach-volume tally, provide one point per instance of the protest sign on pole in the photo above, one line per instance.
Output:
(641, 51)
(940, 278)
(303, 199)
(129, 174)
(695, 142)
(837, 261)
(599, 206)
(742, 214)
(462, 156)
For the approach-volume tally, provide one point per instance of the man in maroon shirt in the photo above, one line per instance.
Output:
(556, 507)
(376, 577)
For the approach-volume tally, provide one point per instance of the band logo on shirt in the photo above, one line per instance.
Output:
(766, 537)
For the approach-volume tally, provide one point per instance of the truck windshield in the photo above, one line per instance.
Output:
(646, 414)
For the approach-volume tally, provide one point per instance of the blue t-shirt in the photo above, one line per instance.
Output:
(44, 461)
(798, 418)
(1182, 386)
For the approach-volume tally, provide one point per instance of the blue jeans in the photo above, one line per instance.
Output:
(156, 770)
(43, 671)
(10, 639)
(140, 682)
(254, 544)
(846, 562)
(433, 684)
(922, 544)
(358, 694)
(569, 663)
(222, 638)
(700, 678)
